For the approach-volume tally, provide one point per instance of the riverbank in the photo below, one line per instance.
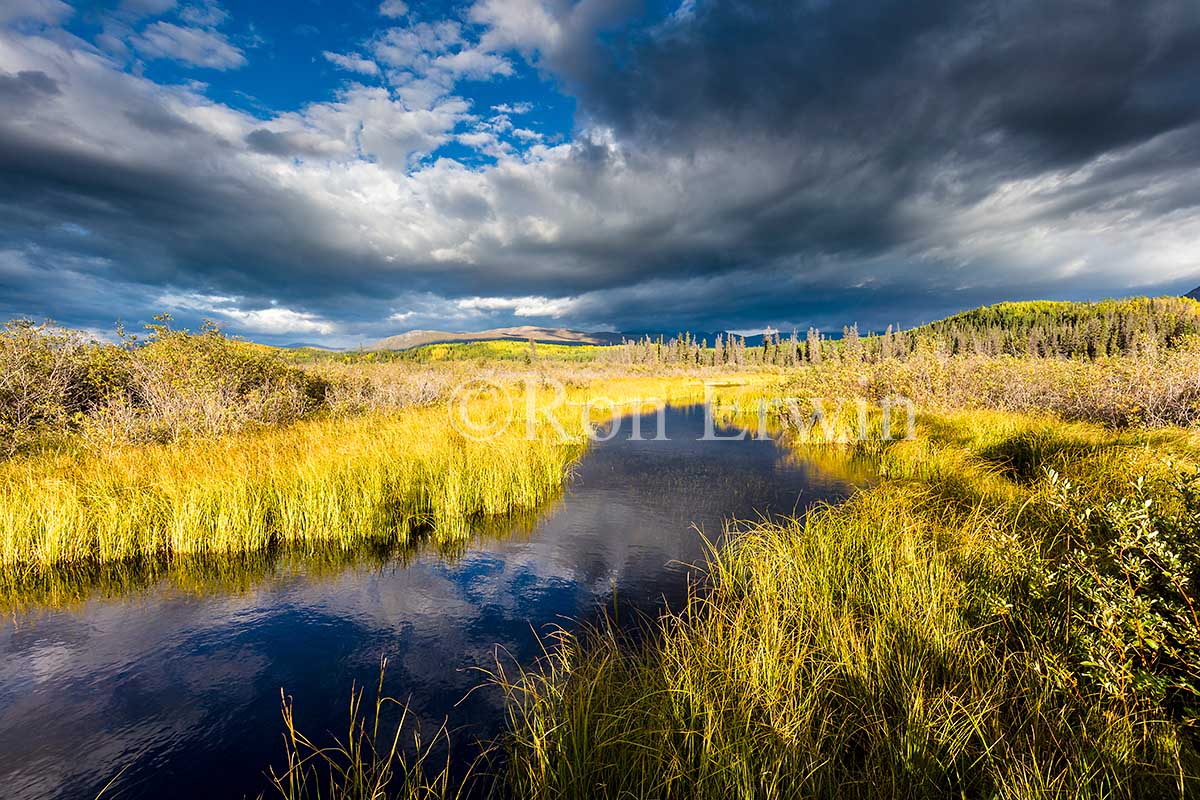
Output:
(1011, 613)
(377, 476)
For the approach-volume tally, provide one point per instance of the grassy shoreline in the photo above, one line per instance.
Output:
(938, 635)
(1010, 612)
(342, 481)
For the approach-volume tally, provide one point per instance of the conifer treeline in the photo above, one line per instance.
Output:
(1071, 330)
(1140, 326)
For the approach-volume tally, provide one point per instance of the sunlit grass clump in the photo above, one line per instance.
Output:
(342, 480)
(1011, 614)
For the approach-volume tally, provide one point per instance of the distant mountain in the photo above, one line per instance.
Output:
(1194, 293)
(420, 338)
(411, 340)
(308, 346)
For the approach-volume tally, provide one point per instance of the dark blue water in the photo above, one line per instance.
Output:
(180, 683)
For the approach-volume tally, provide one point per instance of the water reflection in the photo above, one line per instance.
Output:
(175, 670)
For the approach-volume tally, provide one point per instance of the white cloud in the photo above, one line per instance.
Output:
(520, 306)
(426, 60)
(473, 63)
(271, 320)
(525, 25)
(352, 62)
(50, 12)
(499, 124)
(393, 8)
(373, 125)
(412, 47)
(201, 47)
(476, 139)
(513, 108)
(206, 14)
(279, 320)
(686, 10)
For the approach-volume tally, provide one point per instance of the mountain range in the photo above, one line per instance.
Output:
(419, 338)
(410, 340)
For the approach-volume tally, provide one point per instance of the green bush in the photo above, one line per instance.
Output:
(1127, 586)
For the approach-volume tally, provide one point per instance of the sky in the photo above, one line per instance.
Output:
(336, 172)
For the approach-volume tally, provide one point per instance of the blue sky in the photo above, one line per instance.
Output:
(281, 57)
(337, 172)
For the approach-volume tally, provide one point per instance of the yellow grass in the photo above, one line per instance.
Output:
(333, 480)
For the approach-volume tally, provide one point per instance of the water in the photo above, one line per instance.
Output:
(182, 686)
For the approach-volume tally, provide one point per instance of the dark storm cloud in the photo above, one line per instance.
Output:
(903, 79)
(26, 86)
(741, 163)
(863, 105)
(163, 223)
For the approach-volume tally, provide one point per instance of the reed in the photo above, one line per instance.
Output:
(920, 640)
(377, 477)
(380, 755)
(335, 480)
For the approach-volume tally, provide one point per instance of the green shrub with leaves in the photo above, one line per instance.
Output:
(1128, 587)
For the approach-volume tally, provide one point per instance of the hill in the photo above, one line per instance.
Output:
(420, 338)
(411, 340)
(1107, 327)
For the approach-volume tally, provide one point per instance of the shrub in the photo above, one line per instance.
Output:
(361, 389)
(54, 382)
(202, 384)
(47, 375)
(1128, 588)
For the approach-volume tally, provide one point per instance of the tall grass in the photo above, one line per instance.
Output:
(378, 757)
(918, 641)
(339, 480)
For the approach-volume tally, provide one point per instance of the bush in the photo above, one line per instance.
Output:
(48, 375)
(362, 389)
(55, 382)
(1120, 392)
(1127, 586)
(183, 384)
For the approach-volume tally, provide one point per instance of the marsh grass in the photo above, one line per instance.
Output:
(917, 641)
(345, 481)
(381, 755)
(335, 480)
(26, 590)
